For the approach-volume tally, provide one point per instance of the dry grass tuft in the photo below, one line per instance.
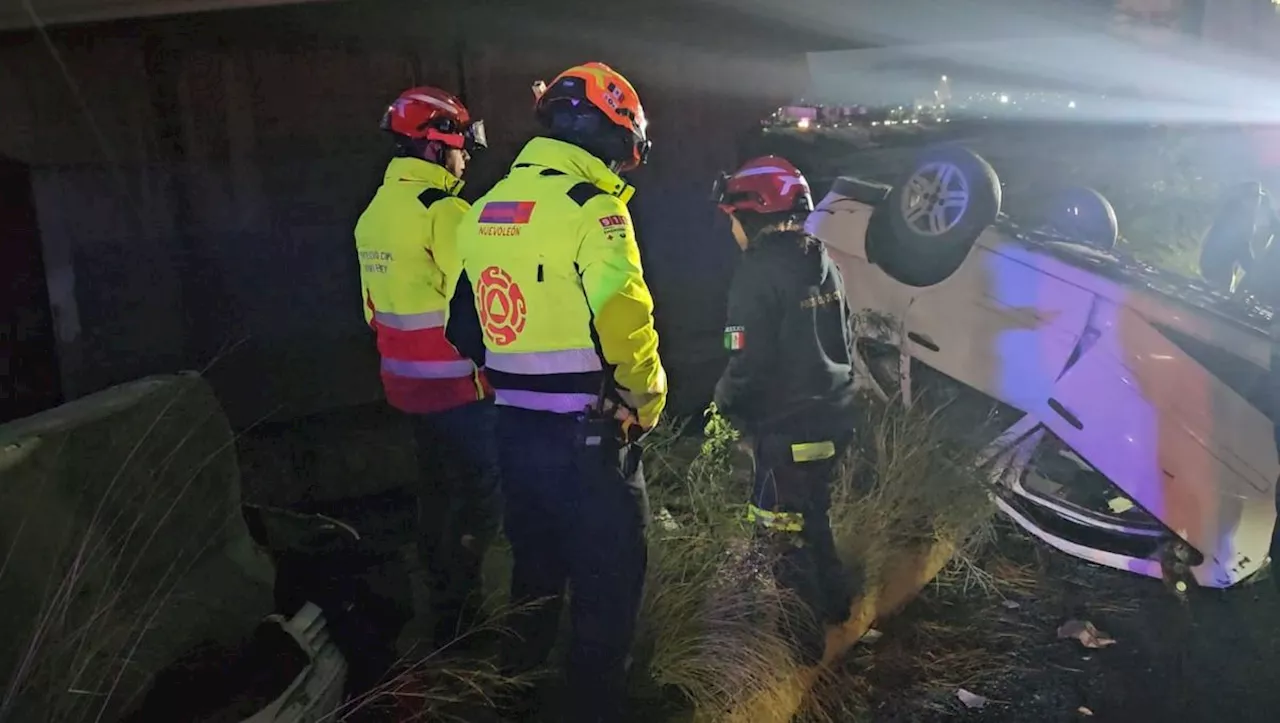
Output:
(437, 686)
(433, 690)
(714, 619)
(713, 623)
(1014, 579)
(908, 484)
(929, 659)
(982, 569)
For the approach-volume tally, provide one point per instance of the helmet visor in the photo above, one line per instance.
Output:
(474, 138)
(720, 195)
(642, 150)
(720, 189)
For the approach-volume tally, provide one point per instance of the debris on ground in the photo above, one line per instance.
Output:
(667, 520)
(1120, 505)
(1084, 711)
(1084, 631)
(870, 637)
(1010, 604)
(972, 701)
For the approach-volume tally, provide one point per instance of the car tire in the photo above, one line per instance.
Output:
(1092, 224)
(933, 216)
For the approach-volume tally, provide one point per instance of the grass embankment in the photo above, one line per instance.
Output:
(713, 643)
(907, 500)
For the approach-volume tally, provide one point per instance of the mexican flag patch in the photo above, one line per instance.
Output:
(735, 338)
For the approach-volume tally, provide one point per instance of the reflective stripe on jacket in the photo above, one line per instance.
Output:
(552, 258)
(408, 267)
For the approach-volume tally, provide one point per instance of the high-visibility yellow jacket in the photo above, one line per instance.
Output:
(552, 258)
(408, 268)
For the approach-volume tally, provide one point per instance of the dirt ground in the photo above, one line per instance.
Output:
(1209, 659)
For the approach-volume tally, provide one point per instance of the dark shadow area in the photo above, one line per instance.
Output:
(29, 380)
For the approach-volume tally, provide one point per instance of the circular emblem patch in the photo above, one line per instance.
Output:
(502, 306)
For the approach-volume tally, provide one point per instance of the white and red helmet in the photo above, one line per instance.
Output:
(430, 114)
(769, 184)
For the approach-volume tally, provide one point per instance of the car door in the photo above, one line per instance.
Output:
(1001, 324)
(1174, 438)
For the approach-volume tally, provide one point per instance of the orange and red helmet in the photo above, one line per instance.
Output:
(432, 115)
(605, 90)
(769, 184)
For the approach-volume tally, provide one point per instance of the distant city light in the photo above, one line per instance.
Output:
(803, 123)
(1071, 104)
(1004, 98)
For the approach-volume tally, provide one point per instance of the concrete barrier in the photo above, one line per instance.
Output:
(121, 546)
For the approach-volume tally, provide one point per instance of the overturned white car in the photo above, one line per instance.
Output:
(1135, 430)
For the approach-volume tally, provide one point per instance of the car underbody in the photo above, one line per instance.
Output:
(1129, 405)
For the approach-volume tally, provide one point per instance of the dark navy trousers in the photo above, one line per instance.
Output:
(575, 513)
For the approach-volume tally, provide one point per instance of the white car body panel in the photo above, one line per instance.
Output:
(1001, 326)
(316, 694)
(1180, 442)
(877, 289)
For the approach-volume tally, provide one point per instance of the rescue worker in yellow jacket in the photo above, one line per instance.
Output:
(573, 357)
(409, 270)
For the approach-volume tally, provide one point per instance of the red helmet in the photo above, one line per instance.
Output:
(769, 184)
(430, 114)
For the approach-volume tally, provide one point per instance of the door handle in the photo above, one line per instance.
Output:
(923, 341)
(1065, 413)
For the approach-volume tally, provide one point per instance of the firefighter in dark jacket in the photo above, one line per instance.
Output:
(789, 383)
